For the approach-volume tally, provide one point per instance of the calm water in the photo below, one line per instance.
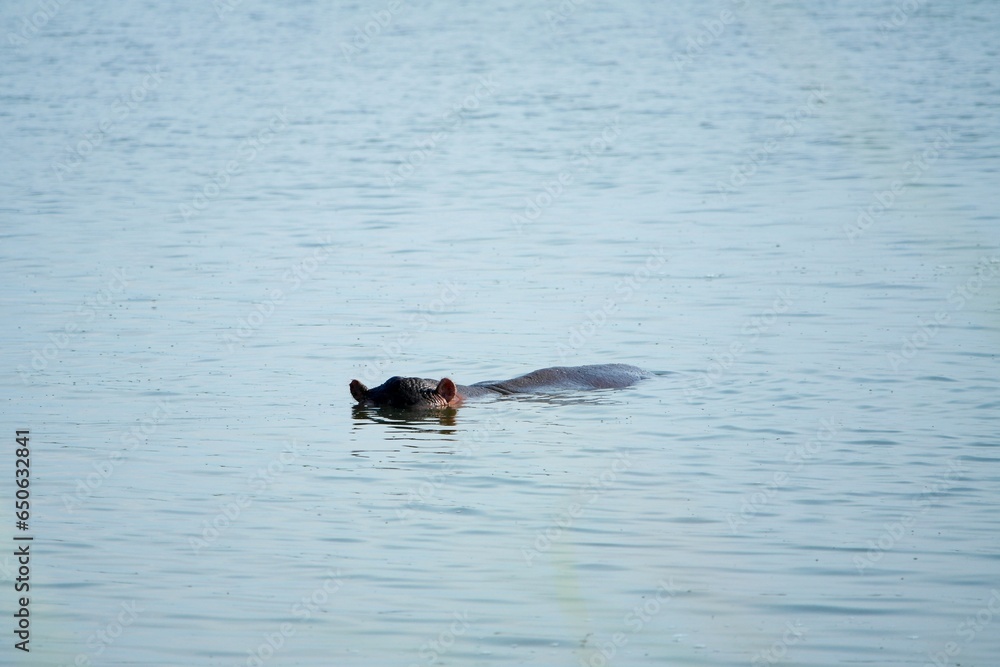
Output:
(215, 216)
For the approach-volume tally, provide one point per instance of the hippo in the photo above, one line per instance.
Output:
(422, 393)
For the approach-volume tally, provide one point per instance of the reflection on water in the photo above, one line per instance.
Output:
(405, 420)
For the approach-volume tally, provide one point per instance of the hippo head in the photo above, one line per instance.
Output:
(407, 393)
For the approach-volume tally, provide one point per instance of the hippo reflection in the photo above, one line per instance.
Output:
(422, 393)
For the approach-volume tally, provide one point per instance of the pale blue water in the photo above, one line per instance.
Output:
(215, 216)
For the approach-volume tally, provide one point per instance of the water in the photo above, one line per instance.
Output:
(215, 217)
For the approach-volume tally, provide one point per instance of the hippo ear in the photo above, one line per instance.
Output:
(446, 389)
(358, 391)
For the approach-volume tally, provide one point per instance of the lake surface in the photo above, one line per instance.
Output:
(216, 215)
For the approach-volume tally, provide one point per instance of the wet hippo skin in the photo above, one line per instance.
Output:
(417, 393)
